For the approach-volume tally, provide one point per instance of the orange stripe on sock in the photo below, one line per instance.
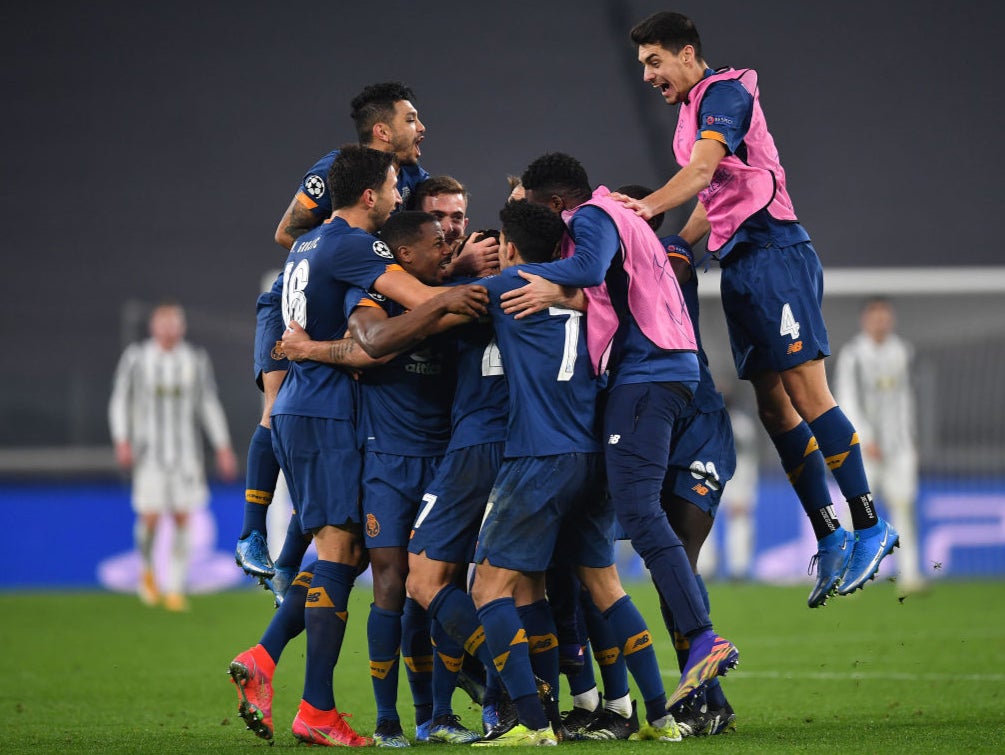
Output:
(380, 669)
(638, 642)
(542, 643)
(835, 461)
(419, 664)
(606, 656)
(453, 664)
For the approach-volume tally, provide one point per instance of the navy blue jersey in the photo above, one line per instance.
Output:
(706, 397)
(552, 391)
(320, 270)
(634, 358)
(726, 108)
(313, 190)
(480, 411)
(406, 402)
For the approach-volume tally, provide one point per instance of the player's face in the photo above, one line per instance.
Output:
(407, 132)
(387, 198)
(450, 210)
(668, 71)
(430, 255)
(550, 201)
(878, 321)
(506, 258)
(167, 326)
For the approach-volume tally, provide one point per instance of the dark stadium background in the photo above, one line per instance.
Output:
(148, 149)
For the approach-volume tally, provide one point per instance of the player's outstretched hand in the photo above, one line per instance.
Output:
(295, 342)
(638, 206)
(470, 301)
(539, 293)
(478, 257)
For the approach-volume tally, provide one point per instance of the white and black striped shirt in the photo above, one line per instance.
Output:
(157, 398)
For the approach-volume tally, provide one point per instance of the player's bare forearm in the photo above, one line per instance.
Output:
(296, 221)
(343, 352)
(697, 225)
(380, 336)
(685, 184)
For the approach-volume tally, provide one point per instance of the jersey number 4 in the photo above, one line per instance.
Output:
(789, 326)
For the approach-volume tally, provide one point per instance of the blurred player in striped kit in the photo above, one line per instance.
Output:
(873, 377)
(164, 389)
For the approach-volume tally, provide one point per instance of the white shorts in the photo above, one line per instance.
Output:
(157, 490)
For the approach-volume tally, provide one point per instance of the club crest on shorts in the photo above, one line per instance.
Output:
(314, 186)
(382, 250)
(372, 526)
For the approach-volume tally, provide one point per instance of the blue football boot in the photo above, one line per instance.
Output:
(831, 560)
(252, 555)
(872, 545)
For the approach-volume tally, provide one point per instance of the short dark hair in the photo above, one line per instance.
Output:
(557, 173)
(535, 230)
(434, 187)
(404, 228)
(638, 191)
(375, 104)
(669, 30)
(355, 169)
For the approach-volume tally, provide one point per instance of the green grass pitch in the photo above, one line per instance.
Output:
(100, 673)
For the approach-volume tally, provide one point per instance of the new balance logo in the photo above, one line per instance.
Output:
(794, 348)
(613, 440)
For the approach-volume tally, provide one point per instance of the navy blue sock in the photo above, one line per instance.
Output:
(325, 619)
(260, 481)
(843, 454)
(417, 655)
(383, 639)
(453, 609)
(542, 640)
(448, 656)
(507, 641)
(607, 652)
(636, 642)
(288, 620)
(294, 545)
(807, 473)
(585, 679)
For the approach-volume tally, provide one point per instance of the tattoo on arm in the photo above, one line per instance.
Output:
(300, 221)
(339, 351)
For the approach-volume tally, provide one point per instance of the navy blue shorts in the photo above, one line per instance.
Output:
(772, 300)
(537, 500)
(446, 528)
(269, 327)
(702, 459)
(392, 488)
(322, 465)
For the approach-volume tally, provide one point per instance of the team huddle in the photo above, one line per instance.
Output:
(518, 401)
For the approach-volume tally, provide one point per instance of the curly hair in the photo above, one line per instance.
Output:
(557, 173)
(535, 230)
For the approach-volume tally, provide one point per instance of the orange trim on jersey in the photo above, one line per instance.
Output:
(368, 303)
(682, 257)
(714, 135)
(394, 266)
(305, 200)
